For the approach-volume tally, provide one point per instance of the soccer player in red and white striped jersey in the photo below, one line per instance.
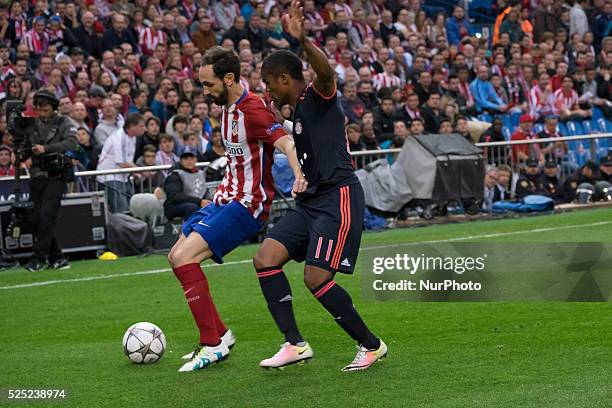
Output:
(241, 204)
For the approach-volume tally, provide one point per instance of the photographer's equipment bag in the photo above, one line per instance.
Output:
(128, 235)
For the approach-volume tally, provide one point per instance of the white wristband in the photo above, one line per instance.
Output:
(288, 126)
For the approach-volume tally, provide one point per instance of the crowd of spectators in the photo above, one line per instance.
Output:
(403, 67)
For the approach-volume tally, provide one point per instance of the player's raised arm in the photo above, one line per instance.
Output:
(325, 82)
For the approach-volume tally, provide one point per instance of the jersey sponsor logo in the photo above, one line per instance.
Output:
(273, 128)
(234, 149)
(298, 128)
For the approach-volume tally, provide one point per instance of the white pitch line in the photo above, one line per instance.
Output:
(244, 261)
(116, 275)
(497, 234)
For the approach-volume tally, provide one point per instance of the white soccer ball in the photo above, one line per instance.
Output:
(144, 343)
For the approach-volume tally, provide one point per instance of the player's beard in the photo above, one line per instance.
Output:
(221, 100)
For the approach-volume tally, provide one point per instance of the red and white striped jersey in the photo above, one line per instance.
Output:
(565, 100)
(37, 43)
(151, 38)
(249, 130)
(542, 104)
(384, 80)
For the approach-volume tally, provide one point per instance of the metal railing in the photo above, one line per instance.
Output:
(568, 152)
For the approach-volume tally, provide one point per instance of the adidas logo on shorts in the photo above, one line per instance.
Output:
(346, 262)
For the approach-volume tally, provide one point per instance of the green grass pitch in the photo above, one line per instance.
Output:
(68, 335)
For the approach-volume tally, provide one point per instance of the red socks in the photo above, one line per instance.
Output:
(195, 287)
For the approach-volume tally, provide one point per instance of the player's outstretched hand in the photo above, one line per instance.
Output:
(294, 21)
(299, 185)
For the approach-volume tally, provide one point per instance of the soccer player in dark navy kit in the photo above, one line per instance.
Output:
(325, 227)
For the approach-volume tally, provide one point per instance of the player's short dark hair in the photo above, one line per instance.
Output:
(283, 62)
(223, 62)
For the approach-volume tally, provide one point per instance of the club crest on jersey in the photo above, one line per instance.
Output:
(235, 149)
(235, 127)
(298, 128)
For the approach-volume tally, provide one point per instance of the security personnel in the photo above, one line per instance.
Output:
(548, 182)
(528, 179)
(185, 188)
(585, 174)
(53, 136)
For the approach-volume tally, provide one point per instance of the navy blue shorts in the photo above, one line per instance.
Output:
(325, 231)
(222, 227)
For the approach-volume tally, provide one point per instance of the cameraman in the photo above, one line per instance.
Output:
(52, 137)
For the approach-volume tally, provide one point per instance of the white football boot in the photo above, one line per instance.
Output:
(228, 338)
(206, 356)
(288, 354)
(365, 358)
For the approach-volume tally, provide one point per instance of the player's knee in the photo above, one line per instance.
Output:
(260, 260)
(310, 281)
(176, 257)
(315, 277)
(266, 257)
(171, 259)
